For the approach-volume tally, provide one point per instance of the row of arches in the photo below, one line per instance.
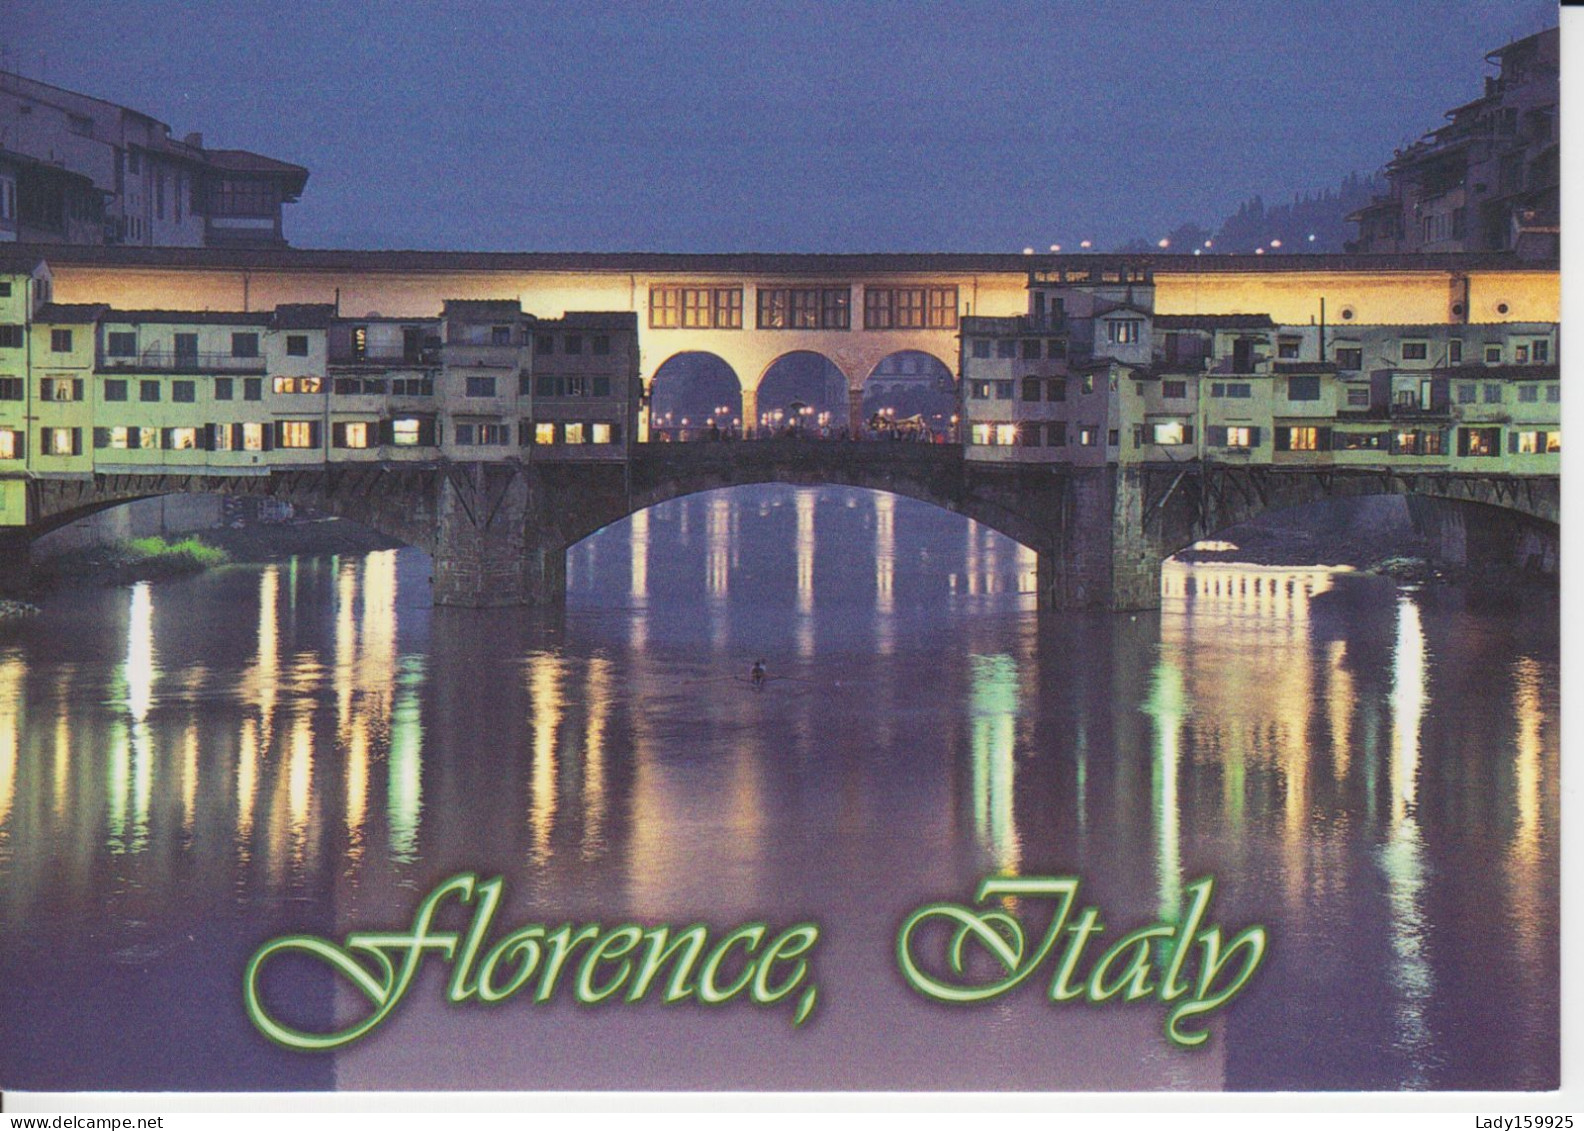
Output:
(696, 394)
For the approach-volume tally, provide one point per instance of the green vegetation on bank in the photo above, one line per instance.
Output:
(141, 559)
(186, 556)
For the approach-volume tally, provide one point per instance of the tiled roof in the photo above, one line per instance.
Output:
(304, 315)
(70, 313)
(1510, 372)
(193, 317)
(594, 320)
(482, 308)
(1214, 322)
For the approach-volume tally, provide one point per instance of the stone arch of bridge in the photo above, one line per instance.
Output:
(1468, 514)
(802, 472)
(395, 502)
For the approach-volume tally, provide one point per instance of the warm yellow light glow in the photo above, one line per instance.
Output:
(547, 706)
(993, 721)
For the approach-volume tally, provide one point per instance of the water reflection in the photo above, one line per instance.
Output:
(306, 737)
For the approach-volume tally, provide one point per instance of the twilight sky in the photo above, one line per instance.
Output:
(679, 125)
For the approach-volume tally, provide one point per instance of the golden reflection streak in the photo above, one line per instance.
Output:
(345, 643)
(246, 782)
(118, 786)
(299, 787)
(1341, 700)
(1402, 857)
(546, 706)
(717, 559)
(1525, 861)
(11, 672)
(189, 776)
(994, 707)
(804, 501)
(599, 694)
(61, 771)
(357, 787)
(972, 566)
(885, 571)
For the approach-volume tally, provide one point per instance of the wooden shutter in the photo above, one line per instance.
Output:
(236, 438)
(314, 435)
(270, 428)
(1188, 434)
(387, 431)
(338, 435)
(1217, 435)
(77, 448)
(1322, 439)
(1512, 443)
(1254, 437)
(77, 389)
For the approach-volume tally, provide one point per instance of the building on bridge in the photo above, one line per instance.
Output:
(1091, 376)
(89, 390)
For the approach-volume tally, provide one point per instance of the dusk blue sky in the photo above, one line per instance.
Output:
(681, 126)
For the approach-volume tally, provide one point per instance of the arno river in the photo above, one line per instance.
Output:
(191, 768)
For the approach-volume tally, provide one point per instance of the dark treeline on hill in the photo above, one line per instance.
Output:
(1255, 224)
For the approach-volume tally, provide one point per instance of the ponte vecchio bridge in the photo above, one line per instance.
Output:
(498, 526)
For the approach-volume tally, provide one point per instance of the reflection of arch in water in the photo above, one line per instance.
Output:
(912, 383)
(689, 393)
(802, 389)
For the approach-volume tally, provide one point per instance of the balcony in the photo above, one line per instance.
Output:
(179, 361)
(411, 359)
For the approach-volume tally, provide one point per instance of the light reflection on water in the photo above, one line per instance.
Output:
(307, 744)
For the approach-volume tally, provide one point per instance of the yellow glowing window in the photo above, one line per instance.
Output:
(9, 448)
(981, 434)
(222, 437)
(600, 433)
(544, 433)
(357, 435)
(148, 437)
(298, 384)
(296, 434)
(253, 437)
(404, 433)
(1170, 433)
(58, 441)
(1553, 442)
(1006, 434)
(1305, 439)
(183, 439)
(574, 433)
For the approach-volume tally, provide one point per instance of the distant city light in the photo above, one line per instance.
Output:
(1209, 243)
(1259, 251)
(1198, 251)
(1086, 243)
(1275, 243)
(1311, 237)
(1055, 247)
(1164, 243)
(1028, 251)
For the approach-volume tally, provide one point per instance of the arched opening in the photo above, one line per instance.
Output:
(778, 550)
(804, 394)
(1407, 537)
(910, 395)
(695, 396)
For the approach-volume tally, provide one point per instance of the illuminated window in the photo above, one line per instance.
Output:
(805, 308)
(1006, 434)
(183, 439)
(220, 437)
(1172, 432)
(296, 433)
(1087, 384)
(544, 433)
(146, 438)
(355, 434)
(1531, 443)
(979, 390)
(600, 433)
(405, 433)
(10, 444)
(981, 433)
(1087, 436)
(1521, 354)
(910, 308)
(1479, 441)
(1123, 331)
(1239, 437)
(63, 441)
(1299, 439)
(1553, 442)
(695, 308)
(298, 384)
(573, 433)
(494, 434)
(61, 389)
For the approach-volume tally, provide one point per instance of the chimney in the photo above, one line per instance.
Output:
(195, 140)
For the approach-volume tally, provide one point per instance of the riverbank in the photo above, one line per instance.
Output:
(148, 559)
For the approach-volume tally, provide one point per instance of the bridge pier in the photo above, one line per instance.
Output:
(493, 548)
(16, 562)
(1102, 553)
